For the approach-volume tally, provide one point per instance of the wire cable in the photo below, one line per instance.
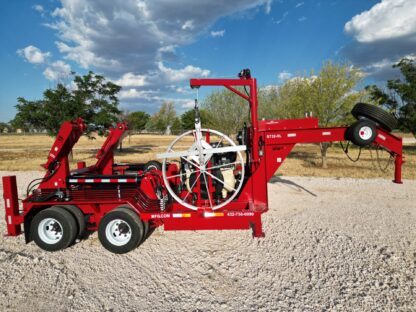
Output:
(378, 158)
(345, 150)
(32, 185)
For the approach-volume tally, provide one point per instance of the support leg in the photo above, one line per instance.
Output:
(398, 161)
(12, 205)
(257, 227)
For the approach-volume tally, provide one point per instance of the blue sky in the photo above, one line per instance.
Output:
(152, 48)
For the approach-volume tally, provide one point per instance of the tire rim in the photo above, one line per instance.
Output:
(118, 232)
(365, 133)
(50, 231)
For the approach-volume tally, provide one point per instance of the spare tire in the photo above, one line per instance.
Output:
(386, 120)
(362, 132)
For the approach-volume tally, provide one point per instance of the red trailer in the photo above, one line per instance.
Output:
(204, 180)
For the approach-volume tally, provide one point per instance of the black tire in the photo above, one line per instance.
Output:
(53, 220)
(135, 229)
(79, 217)
(362, 133)
(152, 165)
(386, 120)
(144, 223)
(146, 230)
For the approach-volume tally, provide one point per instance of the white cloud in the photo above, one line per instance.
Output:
(218, 33)
(135, 94)
(33, 55)
(298, 5)
(86, 58)
(129, 36)
(131, 80)
(268, 6)
(189, 24)
(302, 19)
(170, 49)
(285, 75)
(385, 20)
(132, 41)
(57, 71)
(38, 8)
(176, 75)
(184, 90)
(383, 35)
(384, 69)
(270, 88)
(187, 103)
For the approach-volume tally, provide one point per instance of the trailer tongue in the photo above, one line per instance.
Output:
(205, 181)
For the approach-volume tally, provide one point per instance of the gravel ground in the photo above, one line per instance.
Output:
(331, 244)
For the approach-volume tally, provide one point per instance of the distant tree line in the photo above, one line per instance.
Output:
(328, 94)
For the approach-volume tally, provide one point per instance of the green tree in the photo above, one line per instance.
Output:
(93, 98)
(30, 115)
(400, 96)
(137, 120)
(228, 111)
(332, 95)
(4, 126)
(329, 95)
(164, 118)
(188, 119)
(176, 127)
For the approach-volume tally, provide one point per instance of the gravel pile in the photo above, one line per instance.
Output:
(331, 244)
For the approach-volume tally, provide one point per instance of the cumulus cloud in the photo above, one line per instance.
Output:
(127, 36)
(38, 8)
(187, 103)
(218, 33)
(285, 75)
(189, 24)
(134, 94)
(33, 55)
(299, 4)
(57, 71)
(135, 42)
(131, 80)
(382, 35)
(177, 75)
(385, 20)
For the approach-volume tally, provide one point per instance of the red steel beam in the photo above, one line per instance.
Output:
(11, 203)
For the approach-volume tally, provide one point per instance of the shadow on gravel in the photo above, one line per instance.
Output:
(291, 184)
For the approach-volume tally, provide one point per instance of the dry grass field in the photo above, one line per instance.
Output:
(27, 152)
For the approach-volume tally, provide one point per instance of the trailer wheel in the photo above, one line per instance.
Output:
(145, 225)
(79, 217)
(362, 133)
(120, 230)
(53, 229)
(152, 165)
(386, 120)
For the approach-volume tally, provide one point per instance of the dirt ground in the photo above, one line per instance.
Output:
(331, 244)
